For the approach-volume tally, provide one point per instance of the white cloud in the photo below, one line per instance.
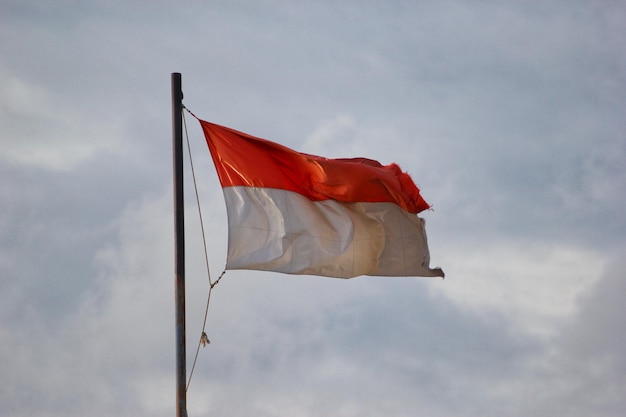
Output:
(536, 287)
(508, 115)
(41, 131)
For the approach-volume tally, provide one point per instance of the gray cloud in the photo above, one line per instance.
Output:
(508, 116)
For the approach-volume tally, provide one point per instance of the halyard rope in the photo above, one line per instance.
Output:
(204, 340)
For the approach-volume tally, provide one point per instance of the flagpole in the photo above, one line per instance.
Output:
(179, 251)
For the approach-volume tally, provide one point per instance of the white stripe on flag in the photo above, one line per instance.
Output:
(277, 230)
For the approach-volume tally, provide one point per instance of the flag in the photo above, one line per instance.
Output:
(296, 213)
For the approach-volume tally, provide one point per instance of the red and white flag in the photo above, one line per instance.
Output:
(295, 213)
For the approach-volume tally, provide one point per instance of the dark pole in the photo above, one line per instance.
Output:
(179, 253)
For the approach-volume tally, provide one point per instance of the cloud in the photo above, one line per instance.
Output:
(41, 132)
(508, 116)
(583, 368)
(534, 286)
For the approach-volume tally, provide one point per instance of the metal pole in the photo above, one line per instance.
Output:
(179, 253)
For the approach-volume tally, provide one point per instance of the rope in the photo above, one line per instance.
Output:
(204, 339)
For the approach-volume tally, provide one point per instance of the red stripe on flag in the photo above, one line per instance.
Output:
(244, 160)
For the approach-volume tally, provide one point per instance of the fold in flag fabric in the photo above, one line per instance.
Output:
(296, 213)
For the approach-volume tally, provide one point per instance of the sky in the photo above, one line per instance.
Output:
(510, 117)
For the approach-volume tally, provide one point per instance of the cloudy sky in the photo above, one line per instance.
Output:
(510, 116)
